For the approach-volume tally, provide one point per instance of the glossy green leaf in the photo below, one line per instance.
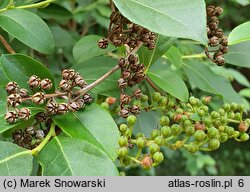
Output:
(239, 54)
(169, 18)
(87, 48)
(240, 34)
(18, 68)
(171, 83)
(14, 160)
(148, 57)
(28, 28)
(243, 2)
(175, 57)
(245, 92)
(93, 124)
(65, 156)
(94, 68)
(204, 78)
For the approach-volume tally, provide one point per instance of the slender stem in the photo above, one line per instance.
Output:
(37, 5)
(201, 55)
(208, 55)
(205, 149)
(135, 160)
(112, 6)
(152, 84)
(47, 96)
(6, 45)
(233, 121)
(50, 134)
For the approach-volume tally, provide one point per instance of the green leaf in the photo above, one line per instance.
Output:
(171, 83)
(175, 57)
(28, 28)
(148, 57)
(18, 68)
(243, 2)
(14, 160)
(93, 124)
(239, 54)
(74, 157)
(179, 18)
(240, 34)
(94, 68)
(204, 78)
(87, 48)
(245, 92)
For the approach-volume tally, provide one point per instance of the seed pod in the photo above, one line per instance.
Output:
(146, 162)
(34, 82)
(134, 67)
(243, 126)
(135, 109)
(24, 93)
(41, 117)
(210, 10)
(126, 74)
(17, 135)
(137, 94)
(220, 60)
(122, 63)
(200, 126)
(24, 113)
(213, 26)
(11, 87)
(151, 44)
(46, 84)
(30, 130)
(224, 49)
(131, 83)
(68, 74)
(214, 41)
(124, 113)
(152, 36)
(79, 81)
(110, 100)
(133, 59)
(214, 19)
(65, 85)
(115, 16)
(38, 98)
(80, 102)
(51, 107)
(218, 11)
(122, 83)
(103, 43)
(219, 33)
(224, 41)
(73, 106)
(14, 100)
(117, 42)
(62, 108)
(10, 117)
(39, 134)
(125, 99)
(87, 98)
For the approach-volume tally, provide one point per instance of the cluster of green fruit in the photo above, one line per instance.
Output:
(192, 125)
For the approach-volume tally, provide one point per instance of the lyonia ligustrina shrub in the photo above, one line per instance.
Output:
(133, 89)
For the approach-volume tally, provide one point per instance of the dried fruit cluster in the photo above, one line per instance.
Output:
(216, 35)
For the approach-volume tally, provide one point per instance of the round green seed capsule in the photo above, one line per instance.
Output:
(214, 144)
(162, 101)
(231, 115)
(215, 115)
(140, 134)
(179, 111)
(123, 141)
(164, 121)
(187, 123)
(140, 142)
(189, 130)
(159, 140)
(226, 107)
(158, 157)
(212, 132)
(201, 113)
(234, 106)
(223, 137)
(241, 107)
(156, 96)
(193, 101)
(244, 137)
(166, 131)
(128, 133)
(155, 133)
(205, 108)
(131, 119)
(199, 135)
(123, 127)
(207, 121)
(144, 98)
(237, 116)
(105, 105)
(153, 148)
(176, 129)
(192, 147)
(184, 118)
(229, 131)
(122, 152)
(222, 112)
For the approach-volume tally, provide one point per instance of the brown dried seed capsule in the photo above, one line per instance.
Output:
(224, 41)
(39, 134)
(115, 16)
(65, 85)
(34, 82)
(124, 112)
(24, 93)
(133, 59)
(51, 107)
(126, 74)
(17, 135)
(151, 44)
(11, 87)
(125, 99)
(219, 33)
(212, 26)
(135, 109)
(14, 100)
(214, 19)
(10, 117)
(41, 117)
(103, 43)
(62, 108)
(30, 130)
(80, 102)
(152, 36)
(24, 113)
(122, 63)
(134, 67)
(218, 11)
(224, 49)
(68, 74)
(122, 83)
(87, 98)
(220, 60)
(79, 81)
(199, 126)
(117, 42)
(131, 82)
(137, 94)
(145, 37)
(46, 84)
(210, 10)
(38, 98)
(214, 41)
(73, 106)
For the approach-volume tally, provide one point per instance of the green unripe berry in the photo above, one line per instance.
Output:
(131, 119)
(184, 118)
(189, 130)
(221, 128)
(159, 140)
(105, 105)
(205, 108)
(215, 115)
(217, 123)
(229, 131)
(199, 135)
(247, 121)
(192, 147)
(123, 141)
(122, 152)
(201, 113)
(144, 98)
(241, 107)
(155, 133)
(221, 112)
(237, 116)
(212, 132)
(187, 123)
(128, 133)
(226, 107)
(166, 131)
(171, 103)
(122, 174)
(231, 115)
(164, 121)
(223, 120)
(140, 134)
(179, 111)
(158, 157)
(153, 148)
(123, 127)
(156, 96)
(236, 134)
(244, 137)
(193, 101)
(234, 106)
(214, 144)
(140, 142)
(223, 137)
(162, 101)
(176, 129)
(207, 121)
(171, 115)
